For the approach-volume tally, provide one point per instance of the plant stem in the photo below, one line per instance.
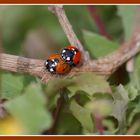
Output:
(98, 21)
(56, 113)
(3, 111)
(98, 123)
(132, 130)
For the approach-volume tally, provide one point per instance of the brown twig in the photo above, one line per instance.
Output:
(66, 26)
(136, 21)
(105, 66)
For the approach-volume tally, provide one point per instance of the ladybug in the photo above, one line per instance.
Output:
(71, 55)
(56, 65)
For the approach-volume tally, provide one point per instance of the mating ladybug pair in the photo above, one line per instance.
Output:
(63, 62)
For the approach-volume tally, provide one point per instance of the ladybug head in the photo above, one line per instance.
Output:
(67, 55)
(70, 55)
(51, 64)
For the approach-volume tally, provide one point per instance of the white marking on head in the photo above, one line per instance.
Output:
(63, 56)
(63, 51)
(55, 63)
(75, 52)
(51, 69)
(68, 58)
(46, 62)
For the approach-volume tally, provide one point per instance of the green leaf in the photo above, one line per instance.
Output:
(135, 75)
(30, 110)
(127, 14)
(54, 85)
(82, 115)
(82, 97)
(90, 83)
(68, 124)
(132, 91)
(135, 109)
(110, 124)
(120, 106)
(102, 107)
(98, 45)
(12, 85)
(134, 113)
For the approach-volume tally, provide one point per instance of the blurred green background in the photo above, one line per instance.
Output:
(32, 26)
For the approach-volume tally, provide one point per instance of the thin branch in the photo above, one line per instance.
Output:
(130, 65)
(126, 51)
(21, 64)
(24, 65)
(98, 21)
(66, 26)
(136, 22)
(104, 66)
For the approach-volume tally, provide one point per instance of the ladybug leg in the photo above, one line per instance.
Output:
(43, 71)
(72, 64)
(43, 78)
(43, 74)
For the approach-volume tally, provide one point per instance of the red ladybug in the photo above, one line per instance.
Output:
(71, 55)
(56, 65)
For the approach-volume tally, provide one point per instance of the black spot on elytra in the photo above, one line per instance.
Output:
(78, 62)
(63, 69)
